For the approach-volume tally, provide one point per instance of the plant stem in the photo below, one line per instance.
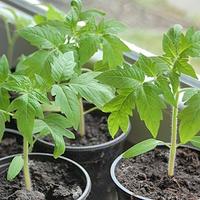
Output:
(11, 48)
(8, 34)
(26, 167)
(11, 41)
(172, 155)
(90, 110)
(82, 119)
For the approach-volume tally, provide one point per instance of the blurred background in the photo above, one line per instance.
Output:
(145, 20)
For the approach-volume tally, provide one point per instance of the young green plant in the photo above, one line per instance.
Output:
(13, 21)
(152, 83)
(26, 108)
(66, 43)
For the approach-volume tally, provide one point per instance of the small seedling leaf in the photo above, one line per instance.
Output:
(4, 69)
(15, 167)
(142, 147)
(196, 141)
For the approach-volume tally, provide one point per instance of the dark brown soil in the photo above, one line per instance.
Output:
(146, 175)
(96, 132)
(9, 146)
(50, 181)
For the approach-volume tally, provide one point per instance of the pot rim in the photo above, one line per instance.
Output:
(93, 147)
(88, 185)
(120, 186)
(12, 131)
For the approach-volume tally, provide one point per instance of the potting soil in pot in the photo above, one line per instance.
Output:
(146, 175)
(50, 181)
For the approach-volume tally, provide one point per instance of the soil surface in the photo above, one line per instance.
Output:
(96, 132)
(9, 146)
(50, 181)
(146, 175)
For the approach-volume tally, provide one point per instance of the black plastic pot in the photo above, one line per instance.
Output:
(96, 160)
(122, 192)
(13, 132)
(14, 146)
(78, 169)
(12, 124)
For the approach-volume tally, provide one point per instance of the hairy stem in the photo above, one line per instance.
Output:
(82, 119)
(173, 146)
(90, 110)
(26, 167)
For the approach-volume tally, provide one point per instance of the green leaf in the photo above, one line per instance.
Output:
(178, 47)
(37, 63)
(164, 84)
(191, 45)
(2, 125)
(171, 41)
(149, 106)
(121, 108)
(18, 83)
(189, 119)
(111, 26)
(4, 69)
(152, 66)
(184, 67)
(51, 14)
(56, 125)
(85, 15)
(189, 93)
(54, 14)
(90, 89)
(175, 81)
(88, 45)
(27, 108)
(129, 77)
(141, 148)
(15, 167)
(113, 50)
(77, 4)
(44, 36)
(4, 104)
(196, 141)
(58, 120)
(39, 126)
(68, 102)
(4, 99)
(101, 66)
(62, 66)
(39, 19)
